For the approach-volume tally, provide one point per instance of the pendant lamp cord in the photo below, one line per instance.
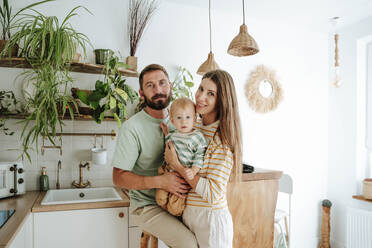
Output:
(210, 28)
(243, 13)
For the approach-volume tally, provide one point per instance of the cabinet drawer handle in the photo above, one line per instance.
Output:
(121, 214)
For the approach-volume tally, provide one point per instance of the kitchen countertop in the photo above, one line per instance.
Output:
(22, 205)
(261, 174)
(30, 202)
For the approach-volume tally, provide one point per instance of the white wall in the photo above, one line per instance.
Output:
(343, 178)
(293, 138)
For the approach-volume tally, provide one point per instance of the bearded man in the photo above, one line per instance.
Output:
(138, 155)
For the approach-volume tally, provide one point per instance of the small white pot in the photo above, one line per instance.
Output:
(99, 156)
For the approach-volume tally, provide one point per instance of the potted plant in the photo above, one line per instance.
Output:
(7, 20)
(140, 12)
(48, 45)
(8, 105)
(182, 84)
(111, 94)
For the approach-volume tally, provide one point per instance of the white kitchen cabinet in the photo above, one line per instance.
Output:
(90, 228)
(24, 238)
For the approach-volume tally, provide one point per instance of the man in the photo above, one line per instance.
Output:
(139, 153)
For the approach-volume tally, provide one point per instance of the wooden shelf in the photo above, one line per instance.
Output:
(361, 198)
(75, 67)
(66, 117)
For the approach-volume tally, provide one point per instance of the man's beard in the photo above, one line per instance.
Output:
(162, 104)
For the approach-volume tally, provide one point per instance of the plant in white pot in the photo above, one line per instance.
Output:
(140, 12)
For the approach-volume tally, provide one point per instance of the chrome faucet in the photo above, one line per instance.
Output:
(80, 184)
(59, 167)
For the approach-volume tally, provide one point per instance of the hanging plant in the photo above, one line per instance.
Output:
(48, 45)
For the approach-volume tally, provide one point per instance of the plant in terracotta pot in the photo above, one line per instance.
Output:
(7, 20)
(111, 94)
(140, 12)
(48, 45)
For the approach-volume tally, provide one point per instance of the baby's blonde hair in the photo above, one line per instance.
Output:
(181, 103)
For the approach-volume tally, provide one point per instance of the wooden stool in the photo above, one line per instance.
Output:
(145, 237)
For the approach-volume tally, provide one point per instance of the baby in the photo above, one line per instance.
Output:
(190, 146)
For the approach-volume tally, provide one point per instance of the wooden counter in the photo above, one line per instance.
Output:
(22, 205)
(252, 205)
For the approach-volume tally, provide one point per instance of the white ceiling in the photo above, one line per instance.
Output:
(315, 14)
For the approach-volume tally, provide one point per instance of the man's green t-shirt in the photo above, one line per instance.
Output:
(140, 149)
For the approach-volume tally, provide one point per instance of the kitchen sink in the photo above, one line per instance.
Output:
(69, 196)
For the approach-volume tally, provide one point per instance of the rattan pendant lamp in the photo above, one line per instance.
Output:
(243, 44)
(209, 64)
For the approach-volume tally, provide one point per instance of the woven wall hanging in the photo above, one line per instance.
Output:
(263, 90)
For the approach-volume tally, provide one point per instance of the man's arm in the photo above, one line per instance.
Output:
(171, 182)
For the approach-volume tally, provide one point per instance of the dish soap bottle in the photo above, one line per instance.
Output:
(44, 180)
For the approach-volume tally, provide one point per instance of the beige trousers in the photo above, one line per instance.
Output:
(169, 229)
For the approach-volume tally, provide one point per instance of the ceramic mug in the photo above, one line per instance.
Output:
(99, 155)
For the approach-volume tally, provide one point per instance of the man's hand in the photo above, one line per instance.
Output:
(175, 184)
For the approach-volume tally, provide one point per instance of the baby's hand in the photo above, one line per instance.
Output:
(164, 127)
(189, 173)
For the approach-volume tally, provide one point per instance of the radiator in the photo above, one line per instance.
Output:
(359, 228)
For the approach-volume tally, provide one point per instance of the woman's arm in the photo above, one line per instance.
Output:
(171, 157)
(212, 187)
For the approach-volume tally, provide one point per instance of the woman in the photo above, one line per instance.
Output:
(206, 213)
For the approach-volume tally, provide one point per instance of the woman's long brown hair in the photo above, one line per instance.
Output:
(228, 114)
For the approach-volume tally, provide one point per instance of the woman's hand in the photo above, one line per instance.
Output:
(170, 156)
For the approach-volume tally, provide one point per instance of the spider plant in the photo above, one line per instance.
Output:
(7, 17)
(44, 40)
(48, 46)
(48, 105)
(7, 21)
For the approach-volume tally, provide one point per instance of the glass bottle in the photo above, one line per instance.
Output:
(44, 180)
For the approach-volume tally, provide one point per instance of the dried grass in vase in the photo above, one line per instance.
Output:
(140, 12)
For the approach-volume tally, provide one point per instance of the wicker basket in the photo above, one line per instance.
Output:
(367, 188)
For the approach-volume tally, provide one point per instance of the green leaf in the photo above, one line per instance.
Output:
(122, 93)
(116, 117)
(99, 85)
(83, 96)
(95, 96)
(189, 84)
(112, 102)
